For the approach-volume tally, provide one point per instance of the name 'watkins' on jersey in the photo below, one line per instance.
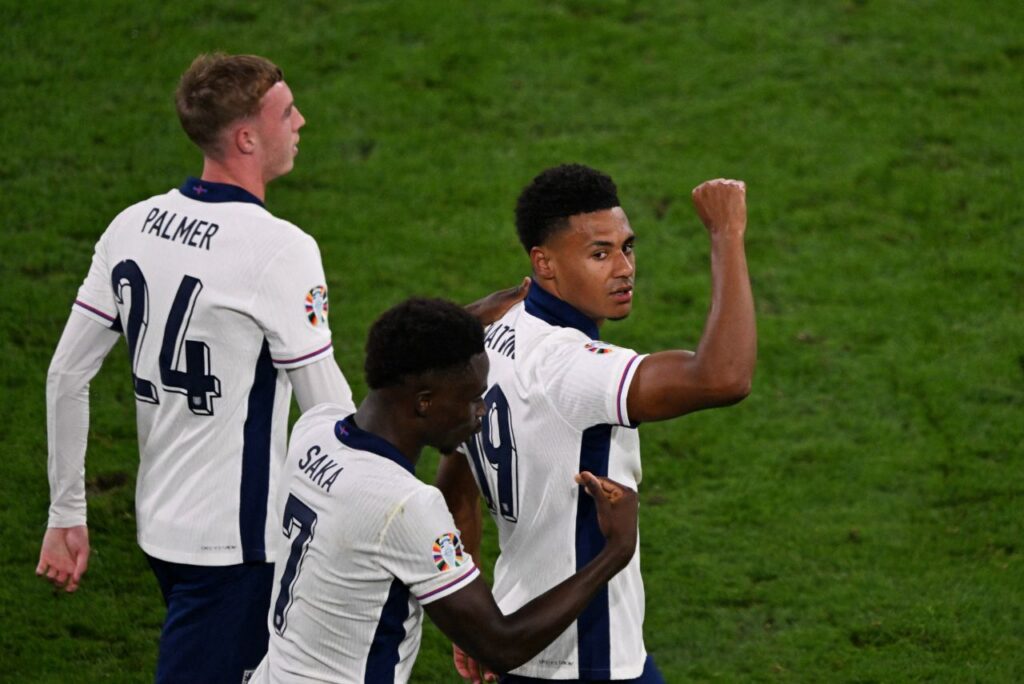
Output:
(556, 405)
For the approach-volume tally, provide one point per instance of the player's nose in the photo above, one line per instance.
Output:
(624, 265)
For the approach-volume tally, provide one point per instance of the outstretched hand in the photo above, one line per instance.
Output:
(493, 306)
(722, 205)
(64, 556)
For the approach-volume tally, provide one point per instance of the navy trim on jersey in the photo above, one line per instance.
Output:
(255, 488)
(593, 626)
(550, 309)
(383, 656)
(208, 191)
(354, 436)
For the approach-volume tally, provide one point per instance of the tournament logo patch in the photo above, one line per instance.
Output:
(595, 347)
(316, 306)
(448, 552)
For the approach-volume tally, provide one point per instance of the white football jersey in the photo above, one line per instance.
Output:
(216, 298)
(362, 545)
(556, 405)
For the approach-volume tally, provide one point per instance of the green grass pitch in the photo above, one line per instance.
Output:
(857, 519)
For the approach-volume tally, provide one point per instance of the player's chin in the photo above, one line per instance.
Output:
(620, 312)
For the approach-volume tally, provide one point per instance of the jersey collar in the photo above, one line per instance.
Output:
(555, 311)
(352, 435)
(208, 191)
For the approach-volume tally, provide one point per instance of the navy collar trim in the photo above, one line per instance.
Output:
(208, 191)
(555, 311)
(352, 435)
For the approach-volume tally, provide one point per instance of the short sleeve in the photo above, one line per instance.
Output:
(423, 549)
(95, 298)
(588, 381)
(291, 305)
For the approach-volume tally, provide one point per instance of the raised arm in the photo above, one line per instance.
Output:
(472, 619)
(64, 555)
(720, 372)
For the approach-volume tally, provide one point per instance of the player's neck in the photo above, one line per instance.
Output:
(234, 174)
(550, 285)
(377, 414)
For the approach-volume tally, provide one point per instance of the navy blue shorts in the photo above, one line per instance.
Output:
(216, 625)
(650, 675)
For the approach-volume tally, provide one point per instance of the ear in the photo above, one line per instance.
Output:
(424, 398)
(244, 139)
(542, 262)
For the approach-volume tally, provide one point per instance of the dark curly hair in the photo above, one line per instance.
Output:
(545, 205)
(419, 336)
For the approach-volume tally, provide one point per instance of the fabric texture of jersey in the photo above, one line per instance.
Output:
(367, 544)
(216, 298)
(556, 405)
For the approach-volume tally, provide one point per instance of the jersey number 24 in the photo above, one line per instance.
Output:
(191, 378)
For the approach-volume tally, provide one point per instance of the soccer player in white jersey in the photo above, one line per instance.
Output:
(560, 400)
(225, 309)
(365, 546)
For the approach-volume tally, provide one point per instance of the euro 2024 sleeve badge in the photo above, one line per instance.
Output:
(316, 306)
(448, 552)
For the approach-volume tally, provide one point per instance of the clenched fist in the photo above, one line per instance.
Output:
(722, 205)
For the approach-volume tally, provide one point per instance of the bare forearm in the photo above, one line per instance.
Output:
(506, 642)
(539, 622)
(727, 352)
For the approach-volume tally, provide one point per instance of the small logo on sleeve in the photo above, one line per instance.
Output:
(448, 552)
(316, 306)
(595, 347)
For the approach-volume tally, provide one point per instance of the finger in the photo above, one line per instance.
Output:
(81, 565)
(42, 567)
(463, 671)
(72, 586)
(611, 490)
(462, 665)
(61, 579)
(590, 483)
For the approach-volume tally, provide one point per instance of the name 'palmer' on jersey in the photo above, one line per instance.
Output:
(222, 332)
(161, 223)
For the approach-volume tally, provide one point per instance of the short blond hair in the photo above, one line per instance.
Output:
(219, 89)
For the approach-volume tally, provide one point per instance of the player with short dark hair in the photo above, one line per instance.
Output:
(560, 400)
(366, 546)
(396, 346)
(546, 204)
